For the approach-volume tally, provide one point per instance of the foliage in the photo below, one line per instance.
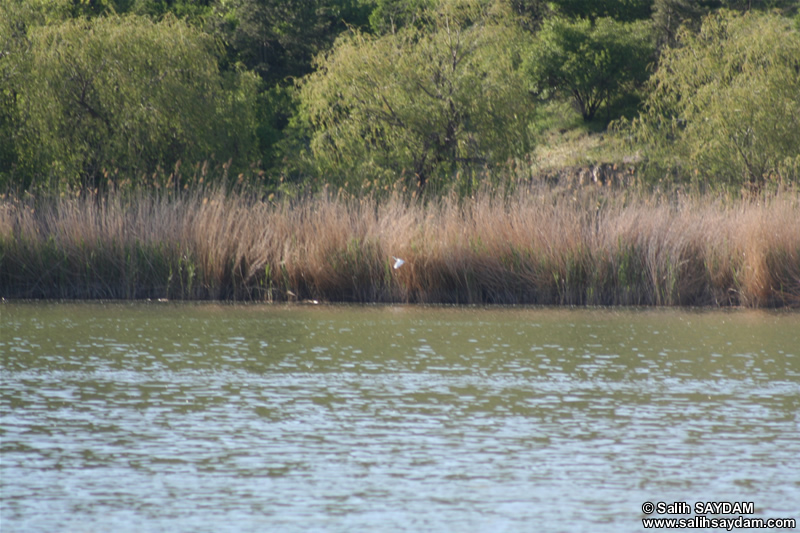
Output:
(390, 15)
(191, 10)
(670, 15)
(530, 13)
(621, 10)
(127, 94)
(279, 38)
(592, 62)
(725, 103)
(786, 7)
(413, 89)
(422, 102)
(16, 20)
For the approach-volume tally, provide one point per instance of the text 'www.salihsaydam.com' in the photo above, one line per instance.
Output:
(701, 520)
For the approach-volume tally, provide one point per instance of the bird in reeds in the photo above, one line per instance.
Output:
(397, 262)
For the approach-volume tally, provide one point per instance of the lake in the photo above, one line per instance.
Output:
(226, 417)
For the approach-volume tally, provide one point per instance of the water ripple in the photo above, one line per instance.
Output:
(348, 419)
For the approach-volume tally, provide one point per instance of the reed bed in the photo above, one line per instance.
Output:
(533, 247)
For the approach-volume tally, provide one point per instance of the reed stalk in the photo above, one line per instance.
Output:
(532, 247)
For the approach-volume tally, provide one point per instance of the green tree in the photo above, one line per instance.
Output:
(670, 15)
(192, 10)
(621, 10)
(388, 16)
(785, 7)
(725, 103)
(16, 21)
(427, 102)
(124, 93)
(593, 63)
(278, 39)
(531, 13)
(195, 11)
(89, 8)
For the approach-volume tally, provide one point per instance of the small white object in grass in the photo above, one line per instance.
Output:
(397, 262)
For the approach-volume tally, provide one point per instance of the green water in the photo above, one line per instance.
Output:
(207, 417)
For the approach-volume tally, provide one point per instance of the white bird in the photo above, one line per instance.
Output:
(397, 262)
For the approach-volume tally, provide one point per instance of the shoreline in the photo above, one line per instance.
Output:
(301, 304)
(585, 247)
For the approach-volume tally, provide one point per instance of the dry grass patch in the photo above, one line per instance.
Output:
(597, 248)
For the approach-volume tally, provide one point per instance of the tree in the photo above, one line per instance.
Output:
(591, 62)
(726, 101)
(785, 7)
(670, 15)
(190, 10)
(531, 13)
(124, 93)
(427, 102)
(279, 38)
(193, 10)
(388, 16)
(620, 10)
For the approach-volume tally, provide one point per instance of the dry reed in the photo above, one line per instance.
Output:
(586, 249)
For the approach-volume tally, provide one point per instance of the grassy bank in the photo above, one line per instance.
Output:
(588, 248)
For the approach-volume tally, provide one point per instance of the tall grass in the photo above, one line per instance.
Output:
(587, 248)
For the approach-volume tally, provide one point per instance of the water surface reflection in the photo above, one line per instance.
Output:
(211, 417)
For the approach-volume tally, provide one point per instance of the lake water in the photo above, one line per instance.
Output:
(209, 417)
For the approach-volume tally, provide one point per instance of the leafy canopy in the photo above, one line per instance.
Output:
(621, 10)
(725, 103)
(424, 101)
(591, 62)
(279, 38)
(124, 93)
(670, 15)
(388, 16)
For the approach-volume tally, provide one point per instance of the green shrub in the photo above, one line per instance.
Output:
(123, 93)
(724, 105)
(593, 63)
(622, 10)
(422, 102)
